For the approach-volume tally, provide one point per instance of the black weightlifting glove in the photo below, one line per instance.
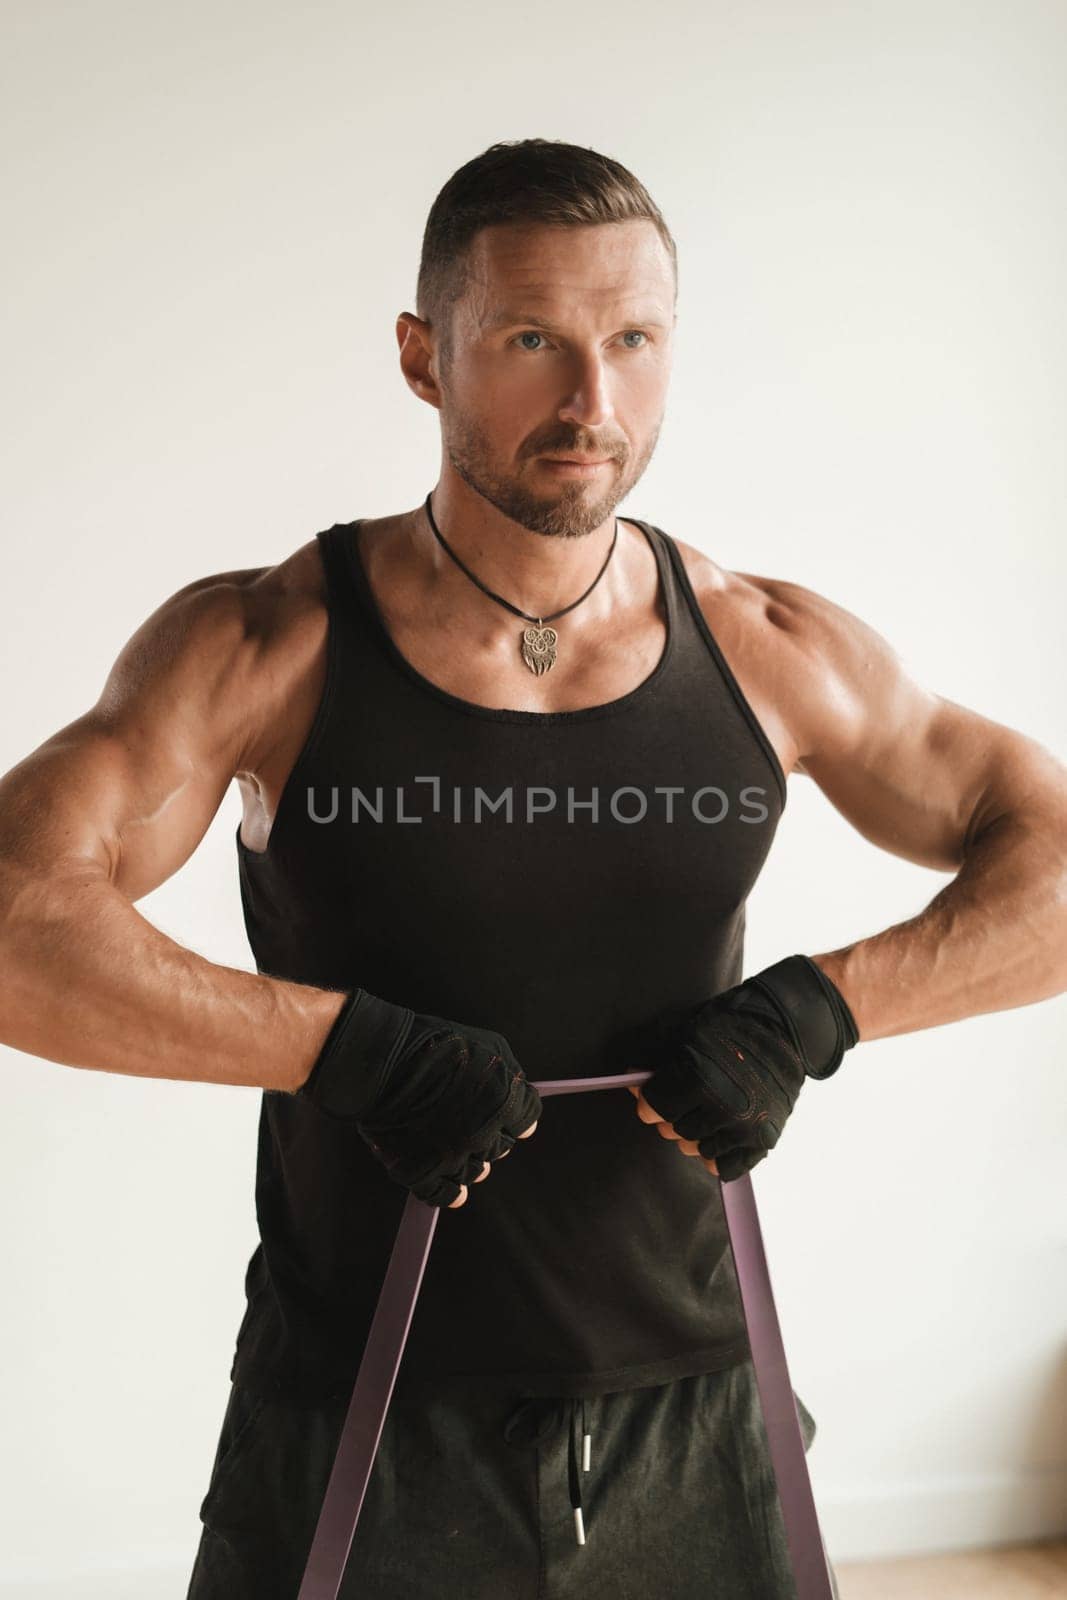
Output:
(737, 1062)
(433, 1099)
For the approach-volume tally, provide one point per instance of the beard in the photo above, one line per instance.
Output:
(570, 510)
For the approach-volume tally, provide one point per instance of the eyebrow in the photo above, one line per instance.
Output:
(534, 319)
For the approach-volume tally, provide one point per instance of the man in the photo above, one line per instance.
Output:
(510, 765)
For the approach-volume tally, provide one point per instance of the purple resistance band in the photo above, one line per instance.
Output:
(384, 1349)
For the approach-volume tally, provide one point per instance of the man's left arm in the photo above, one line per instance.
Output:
(925, 779)
(941, 785)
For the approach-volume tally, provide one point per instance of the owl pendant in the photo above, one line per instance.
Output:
(539, 648)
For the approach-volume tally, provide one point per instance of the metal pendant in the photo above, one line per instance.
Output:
(539, 648)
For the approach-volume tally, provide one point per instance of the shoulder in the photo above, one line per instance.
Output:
(813, 664)
(230, 613)
(221, 653)
(715, 585)
(779, 609)
(915, 773)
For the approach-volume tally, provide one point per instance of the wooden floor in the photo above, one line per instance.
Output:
(1009, 1572)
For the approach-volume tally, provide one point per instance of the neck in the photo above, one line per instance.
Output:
(537, 573)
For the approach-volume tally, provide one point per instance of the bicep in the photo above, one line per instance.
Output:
(128, 790)
(99, 800)
(915, 773)
(915, 788)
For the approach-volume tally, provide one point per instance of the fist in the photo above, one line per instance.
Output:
(667, 1130)
(725, 1081)
(487, 1167)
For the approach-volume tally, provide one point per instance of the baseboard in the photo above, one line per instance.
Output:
(155, 1580)
(943, 1515)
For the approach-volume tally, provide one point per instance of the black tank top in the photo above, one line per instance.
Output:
(564, 878)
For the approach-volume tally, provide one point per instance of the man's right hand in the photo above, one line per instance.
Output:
(437, 1101)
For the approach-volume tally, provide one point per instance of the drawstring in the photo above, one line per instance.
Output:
(574, 1479)
(533, 1420)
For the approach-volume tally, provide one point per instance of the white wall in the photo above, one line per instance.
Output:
(213, 218)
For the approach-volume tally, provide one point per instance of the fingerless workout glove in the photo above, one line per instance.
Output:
(739, 1060)
(433, 1099)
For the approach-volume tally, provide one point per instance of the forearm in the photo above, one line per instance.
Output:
(89, 982)
(993, 938)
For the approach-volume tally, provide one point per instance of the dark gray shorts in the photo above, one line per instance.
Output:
(469, 1498)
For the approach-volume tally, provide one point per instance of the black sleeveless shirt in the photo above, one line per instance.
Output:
(565, 878)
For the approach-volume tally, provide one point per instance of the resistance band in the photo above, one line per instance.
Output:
(384, 1349)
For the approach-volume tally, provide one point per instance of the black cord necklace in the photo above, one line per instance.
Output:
(538, 644)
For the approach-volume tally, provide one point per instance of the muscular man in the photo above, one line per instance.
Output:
(510, 765)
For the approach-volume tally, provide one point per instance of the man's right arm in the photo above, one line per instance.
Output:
(110, 807)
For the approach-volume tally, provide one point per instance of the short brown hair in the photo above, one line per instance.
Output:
(521, 180)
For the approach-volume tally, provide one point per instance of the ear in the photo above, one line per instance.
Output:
(416, 340)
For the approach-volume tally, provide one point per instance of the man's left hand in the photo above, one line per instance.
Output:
(737, 1063)
(667, 1130)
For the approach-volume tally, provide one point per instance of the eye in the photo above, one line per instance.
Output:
(532, 333)
(529, 334)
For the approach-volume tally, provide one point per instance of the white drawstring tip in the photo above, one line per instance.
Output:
(579, 1525)
(585, 1452)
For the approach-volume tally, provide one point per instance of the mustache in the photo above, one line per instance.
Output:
(577, 447)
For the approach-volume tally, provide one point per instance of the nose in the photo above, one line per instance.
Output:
(590, 401)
